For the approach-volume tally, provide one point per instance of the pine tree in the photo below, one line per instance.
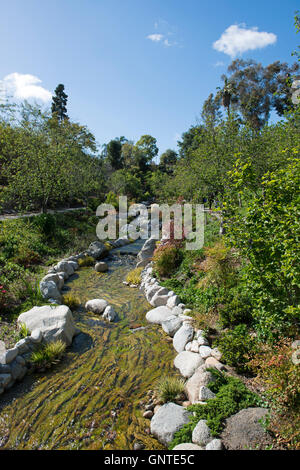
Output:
(59, 103)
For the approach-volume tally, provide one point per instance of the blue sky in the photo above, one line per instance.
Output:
(134, 67)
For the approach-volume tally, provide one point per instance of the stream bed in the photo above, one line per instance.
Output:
(91, 400)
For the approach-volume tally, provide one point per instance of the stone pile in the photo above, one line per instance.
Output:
(194, 357)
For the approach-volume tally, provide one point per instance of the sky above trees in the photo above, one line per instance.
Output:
(136, 67)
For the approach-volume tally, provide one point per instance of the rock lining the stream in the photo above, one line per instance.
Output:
(194, 358)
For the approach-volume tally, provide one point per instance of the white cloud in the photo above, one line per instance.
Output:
(219, 64)
(24, 86)
(165, 35)
(238, 39)
(155, 37)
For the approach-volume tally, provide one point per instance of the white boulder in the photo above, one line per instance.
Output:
(54, 322)
(187, 362)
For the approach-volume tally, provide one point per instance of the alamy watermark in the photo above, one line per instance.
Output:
(176, 222)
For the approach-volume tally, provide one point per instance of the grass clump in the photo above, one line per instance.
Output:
(48, 355)
(23, 331)
(169, 389)
(86, 261)
(231, 397)
(71, 301)
(134, 276)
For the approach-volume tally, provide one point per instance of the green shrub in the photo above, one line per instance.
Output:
(237, 309)
(71, 301)
(46, 223)
(267, 235)
(23, 331)
(48, 354)
(166, 259)
(218, 265)
(169, 389)
(86, 261)
(236, 345)
(134, 276)
(231, 397)
(112, 199)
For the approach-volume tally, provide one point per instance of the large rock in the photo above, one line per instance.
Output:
(158, 315)
(173, 301)
(110, 313)
(54, 322)
(97, 250)
(187, 362)
(168, 420)
(5, 379)
(101, 267)
(55, 277)
(171, 325)
(160, 297)
(201, 378)
(122, 241)
(243, 431)
(49, 290)
(205, 351)
(151, 291)
(205, 393)
(146, 253)
(201, 434)
(18, 370)
(215, 444)
(212, 362)
(96, 306)
(6, 357)
(65, 266)
(187, 446)
(182, 337)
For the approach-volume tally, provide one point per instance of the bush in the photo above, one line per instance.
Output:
(71, 301)
(231, 397)
(278, 375)
(46, 223)
(48, 355)
(237, 309)
(236, 345)
(134, 276)
(218, 265)
(112, 199)
(267, 235)
(86, 261)
(169, 389)
(166, 259)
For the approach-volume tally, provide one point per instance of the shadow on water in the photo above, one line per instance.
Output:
(91, 400)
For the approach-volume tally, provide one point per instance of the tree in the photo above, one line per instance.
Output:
(211, 113)
(254, 90)
(114, 154)
(51, 162)
(189, 140)
(59, 103)
(145, 151)
(123, 182)
(167, 161)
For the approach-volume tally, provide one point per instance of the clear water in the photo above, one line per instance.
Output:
(91, 399)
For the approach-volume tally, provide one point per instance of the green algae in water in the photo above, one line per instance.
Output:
(91, 399)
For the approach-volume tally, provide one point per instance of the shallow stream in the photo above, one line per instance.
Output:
(91, 400)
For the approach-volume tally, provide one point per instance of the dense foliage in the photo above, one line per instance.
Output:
(231, 397)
